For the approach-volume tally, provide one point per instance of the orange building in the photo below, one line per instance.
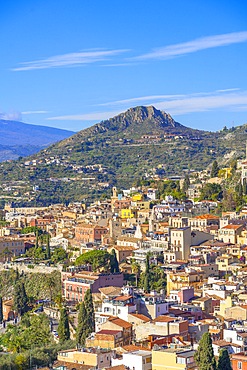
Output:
(239, 361)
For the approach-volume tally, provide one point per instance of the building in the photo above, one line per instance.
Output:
(114, 323)
(75, 285)
(135, 360)
(171, 358)
(97, 358)
(88, 233)
(239, 361)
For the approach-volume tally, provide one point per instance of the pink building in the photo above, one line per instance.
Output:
(75, 285)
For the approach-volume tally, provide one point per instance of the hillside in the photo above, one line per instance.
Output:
(21, 139)
(142, 142)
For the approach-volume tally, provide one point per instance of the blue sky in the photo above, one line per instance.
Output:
(71, 63)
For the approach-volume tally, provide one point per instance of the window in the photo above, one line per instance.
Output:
(239, 365)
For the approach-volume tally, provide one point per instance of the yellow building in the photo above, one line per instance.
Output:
(137, 197)
(224, 262)
(171, 358)
(178, 280)
(98, 358)
(126, 213)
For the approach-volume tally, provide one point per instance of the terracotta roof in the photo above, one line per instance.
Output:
(131, 348)
(124, 248)
(117, 367)
(123, 298)
(140, 316)
(207, 217)
(71, 365)
(110, 290)
(108, 332)
(221, 343)
(164, 318)
(232, 227)
(119, 322)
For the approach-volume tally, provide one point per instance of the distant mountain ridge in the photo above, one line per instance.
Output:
(22, 139)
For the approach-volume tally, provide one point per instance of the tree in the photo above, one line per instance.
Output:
(204, 356)
(37, 239)
(48, 248)
(20, 298)
(135, 268)
(88, 300)
(146, 284)
(58, 255)
(186, 183)
(81, 332)
(1, 309)
(215, 169)
(224, 362)
(63, 326)
(97, 258)
(86, 319)
(114, 262)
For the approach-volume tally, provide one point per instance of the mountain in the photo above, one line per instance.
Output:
(21, 139)
(142, 142)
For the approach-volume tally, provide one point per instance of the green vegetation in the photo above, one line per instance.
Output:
(99, 259)
(63, 326)
(86, 323)
(215, 169)
(204, 355)
(115, 144)
(113, 262)
(224, 362)
(20, 297)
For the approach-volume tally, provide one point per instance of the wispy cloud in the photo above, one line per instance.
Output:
(232, 99)
(11, 116)
(142, 99)
(70, 60)
(98, 116)
(35, 112)
(172, 51)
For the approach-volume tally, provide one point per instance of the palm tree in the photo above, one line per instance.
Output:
(135, 267)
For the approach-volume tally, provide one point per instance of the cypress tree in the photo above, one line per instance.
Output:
(63, 326)
(48, 248)
(1, 309)
(114, 262)
(204, 356)
(186, 183)
(81, 332)
(37, 239)
(224, 362)
(215, 169)
(20, 298)
(90, 319)
(147, 277)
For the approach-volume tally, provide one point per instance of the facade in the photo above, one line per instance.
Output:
(75, 285)
(239, 361)
(87, 233)
(167, 359)
(97, 358)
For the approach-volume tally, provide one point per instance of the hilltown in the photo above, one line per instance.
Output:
(179, 271)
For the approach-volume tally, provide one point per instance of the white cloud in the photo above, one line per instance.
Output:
(193, 103)
(227, 99)
(70, 60)
(193, 46)
(35, 112)
(85, 117)
(140, 99)
(11, 116)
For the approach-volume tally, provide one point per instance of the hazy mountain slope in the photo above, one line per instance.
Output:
(21, 139)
